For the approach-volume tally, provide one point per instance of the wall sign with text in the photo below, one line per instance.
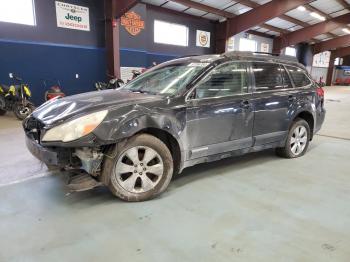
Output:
(72, 16)
(264, 47)
(132, 23)
(203, 38)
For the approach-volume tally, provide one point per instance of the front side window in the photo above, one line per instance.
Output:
(170, 33)
(17, 11)
(165, 80)
(299, 77)
(269, 76)
(225, 80)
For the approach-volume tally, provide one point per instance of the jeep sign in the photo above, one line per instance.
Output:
(72, 16)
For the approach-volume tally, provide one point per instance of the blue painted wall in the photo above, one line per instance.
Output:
(35, 62)
(45, 51)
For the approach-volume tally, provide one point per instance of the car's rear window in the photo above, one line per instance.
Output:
(299, 77)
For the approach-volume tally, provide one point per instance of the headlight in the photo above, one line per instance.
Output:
(76, 128)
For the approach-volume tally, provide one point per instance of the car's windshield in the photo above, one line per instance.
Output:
(166, 80)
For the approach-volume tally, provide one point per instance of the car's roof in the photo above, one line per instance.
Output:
(239, 55)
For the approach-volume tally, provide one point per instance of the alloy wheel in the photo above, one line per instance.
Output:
(139, 169)
(298, 140)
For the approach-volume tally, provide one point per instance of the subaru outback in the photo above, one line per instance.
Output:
(180, 113)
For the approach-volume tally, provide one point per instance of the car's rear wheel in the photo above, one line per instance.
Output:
(297, 141)
(138, 169)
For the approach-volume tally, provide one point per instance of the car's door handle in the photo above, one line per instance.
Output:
(245, 104)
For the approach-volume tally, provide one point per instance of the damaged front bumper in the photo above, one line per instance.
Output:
(85, 158)
(48, 156)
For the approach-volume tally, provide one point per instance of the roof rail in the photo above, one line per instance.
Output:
(184, 56)
(263, 54)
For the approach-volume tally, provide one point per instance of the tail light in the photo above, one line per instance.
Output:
(320, 92)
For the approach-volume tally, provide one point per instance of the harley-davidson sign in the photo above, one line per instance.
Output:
(132, 22)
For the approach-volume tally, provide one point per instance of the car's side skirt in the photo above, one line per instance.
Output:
(219, 156)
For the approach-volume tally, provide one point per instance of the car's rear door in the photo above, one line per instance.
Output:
(219, 112)
(272, 98)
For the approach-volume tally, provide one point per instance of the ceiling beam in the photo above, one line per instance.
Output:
(285, 17)
(261, 14)
(341, 41)
(253, 32)
(204, 8)
(120, 7)
(275, 29)
(309, 32)
(341, 52)
(310, 8)
(223, 13)
(343, 3)
(252, 4)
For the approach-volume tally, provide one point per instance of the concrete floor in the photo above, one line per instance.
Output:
(253, 208)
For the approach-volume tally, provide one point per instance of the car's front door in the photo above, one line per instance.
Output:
(272, 98)
(219, 112)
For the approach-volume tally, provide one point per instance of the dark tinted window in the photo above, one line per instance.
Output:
(225, 80)
(299, 77)
(285, 77)
(270, 76)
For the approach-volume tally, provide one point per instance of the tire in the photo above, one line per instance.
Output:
(19, 109)
(132, 179)
(291, 148)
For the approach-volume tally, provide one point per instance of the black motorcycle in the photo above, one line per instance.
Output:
(114, 83)
(16, 98)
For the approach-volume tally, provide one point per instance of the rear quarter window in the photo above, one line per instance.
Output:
(299, 77)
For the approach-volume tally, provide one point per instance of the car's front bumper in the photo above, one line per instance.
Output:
(46, 155)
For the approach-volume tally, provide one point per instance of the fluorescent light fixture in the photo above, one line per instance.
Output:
(346, 30)
(301, 8)
(318, 16)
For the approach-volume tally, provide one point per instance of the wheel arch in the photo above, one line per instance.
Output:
(170, 141)
(309, 118)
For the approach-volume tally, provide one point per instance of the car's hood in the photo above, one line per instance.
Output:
(70, 106)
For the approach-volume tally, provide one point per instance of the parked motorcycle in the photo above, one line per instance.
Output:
(54, 91)
(16, 98)
(114, 83)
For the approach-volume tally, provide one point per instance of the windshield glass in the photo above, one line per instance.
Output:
(166, 80)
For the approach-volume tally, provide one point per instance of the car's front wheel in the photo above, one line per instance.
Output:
(297, 141)
(138, 169)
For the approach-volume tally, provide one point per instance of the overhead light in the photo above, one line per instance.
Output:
(318, 16)
(301, 8)
(346, 30)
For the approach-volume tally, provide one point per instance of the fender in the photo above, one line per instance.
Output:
(135, 118)
(304, 104)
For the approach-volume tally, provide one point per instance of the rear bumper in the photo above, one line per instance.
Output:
(319, 120)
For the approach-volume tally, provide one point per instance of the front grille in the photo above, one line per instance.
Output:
(33, 128)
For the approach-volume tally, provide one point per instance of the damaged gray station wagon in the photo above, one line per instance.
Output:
(178, 114)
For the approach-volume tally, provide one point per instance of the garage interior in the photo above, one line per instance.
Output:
(255, 207)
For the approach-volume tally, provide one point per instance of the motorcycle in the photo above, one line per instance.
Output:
(114, 83)
(135, 73)
(54, 91)
(16, 98)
